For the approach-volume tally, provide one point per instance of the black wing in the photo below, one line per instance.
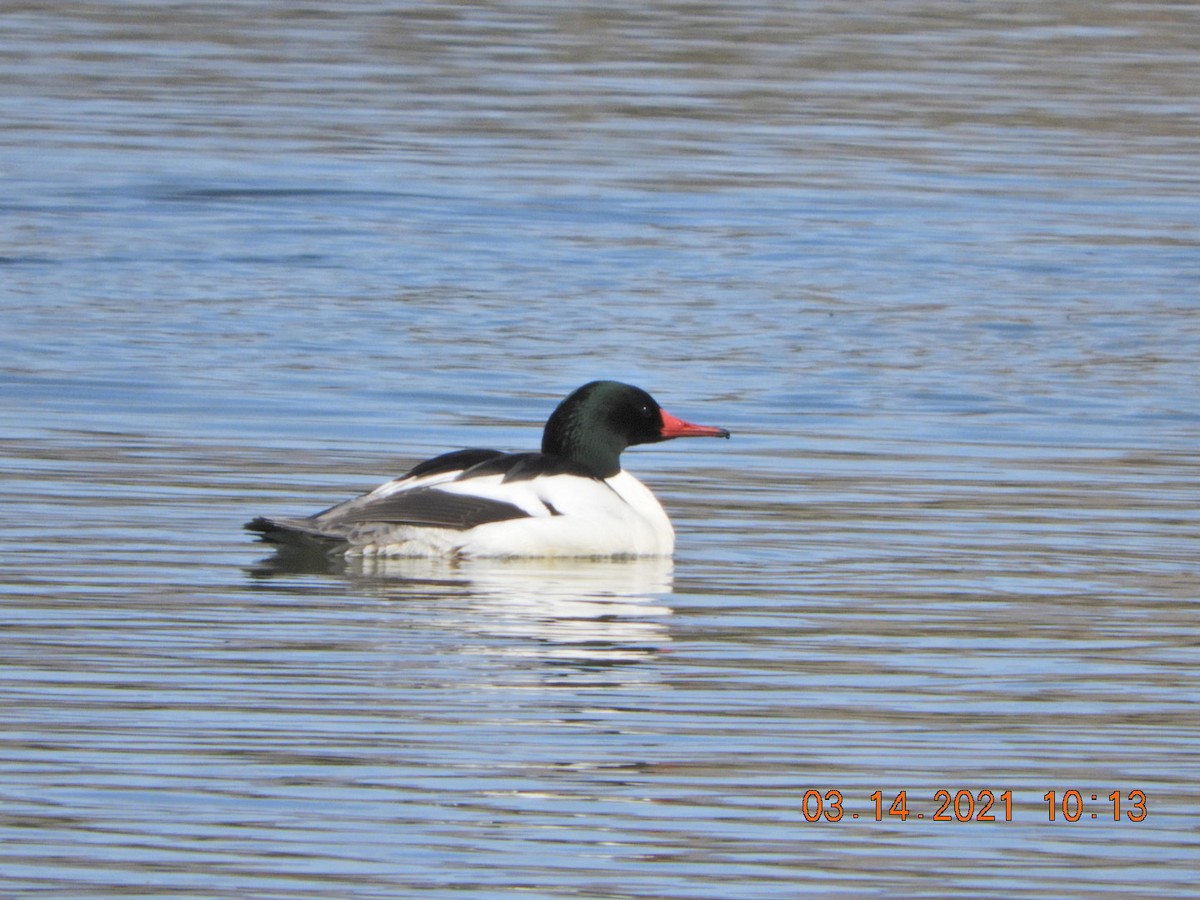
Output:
(525, 466)
(454, 461)
(423, 506)
(435, 509)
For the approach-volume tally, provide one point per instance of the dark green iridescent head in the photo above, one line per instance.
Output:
(599, 420)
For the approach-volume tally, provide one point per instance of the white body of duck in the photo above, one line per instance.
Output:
(570, 500)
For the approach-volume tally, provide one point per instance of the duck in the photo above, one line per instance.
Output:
(571, 499)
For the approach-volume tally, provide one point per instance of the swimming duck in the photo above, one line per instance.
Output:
(572, 499)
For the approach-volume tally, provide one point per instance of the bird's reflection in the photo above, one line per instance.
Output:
(596, 611)
(586, 611)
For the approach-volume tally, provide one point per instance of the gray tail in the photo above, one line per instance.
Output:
(293, 532)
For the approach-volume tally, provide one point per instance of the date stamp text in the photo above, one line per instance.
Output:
(965, 805)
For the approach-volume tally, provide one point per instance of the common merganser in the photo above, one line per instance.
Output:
(572, 499)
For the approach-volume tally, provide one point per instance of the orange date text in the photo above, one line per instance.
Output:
(965, 805)
(946, 806)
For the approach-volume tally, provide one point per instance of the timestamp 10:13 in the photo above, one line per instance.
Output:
(972, 806)
(1072, 805)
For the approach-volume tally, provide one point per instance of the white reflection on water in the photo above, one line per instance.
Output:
(568, 609)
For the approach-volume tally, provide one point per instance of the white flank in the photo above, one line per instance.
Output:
(569, 516)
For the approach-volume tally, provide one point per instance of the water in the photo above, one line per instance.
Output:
(935, 266)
